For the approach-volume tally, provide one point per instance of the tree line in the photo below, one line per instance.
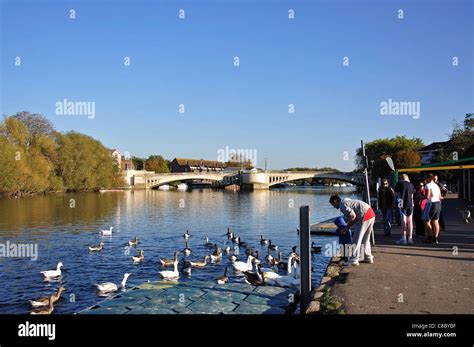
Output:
(35, 158)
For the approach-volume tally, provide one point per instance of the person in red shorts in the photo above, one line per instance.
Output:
(360, 216)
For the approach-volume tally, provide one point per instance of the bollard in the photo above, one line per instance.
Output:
(305, 259)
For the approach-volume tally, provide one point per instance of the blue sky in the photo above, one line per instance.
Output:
(282, 62)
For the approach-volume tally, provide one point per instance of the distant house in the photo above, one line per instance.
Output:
(429, 152)
(195, 165)
(123, 162)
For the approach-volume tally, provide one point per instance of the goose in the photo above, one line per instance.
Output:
(295, 255)
(186, 268)
(229, 234)
(187, 250)
(109, 287)
(263, 241)
(235, 256)
(254, 278)
(217, 254)
(208, 244)
(269, 257)
(187, 235)
(227, 249)
(315, 249)
(256, 260)
(44, 301)
(272, 246)
(200, 264)
(171, 274)
(133, 242)
(242, 243)
(223, 279)
(139, 257)
(97, 248)
(243, 266)
(45, 310)
(235, 239)
(53, 273)
(106, 232)
(168, 262)
(277, 261)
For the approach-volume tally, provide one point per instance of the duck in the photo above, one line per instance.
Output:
(167, 274)
(208, 243)
(263, 241)
(133, 242)
(97, 248)
(223, 279)
(109, 287)
(315, 249)
(272, 246)
(187, 235)
(139, 257)
(44, 301)
(243, 266)
(168, 262)
(53, 273)
(254, 278)
(45, 310)
(269, 257)
(200, 264)
(187, 250)
(186, 268)
(106, 232)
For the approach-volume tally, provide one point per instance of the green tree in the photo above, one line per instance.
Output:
(138, 163)
(379, 149)
(157, 164)
(85, 164)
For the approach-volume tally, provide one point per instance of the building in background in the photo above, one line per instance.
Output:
(428, 153)
(123, 162)
(195, 165)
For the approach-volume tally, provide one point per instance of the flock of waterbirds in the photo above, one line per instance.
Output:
(272, 271)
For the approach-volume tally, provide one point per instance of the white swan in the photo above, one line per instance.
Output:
(288, 280)
(171, 274)
(53, 273)
(106, 232)
(108, 287)
(243, 266)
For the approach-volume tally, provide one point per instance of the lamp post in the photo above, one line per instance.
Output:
(367, 186)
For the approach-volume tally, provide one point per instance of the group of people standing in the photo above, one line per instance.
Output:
(419, 209)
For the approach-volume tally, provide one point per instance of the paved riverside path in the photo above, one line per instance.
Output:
(419, 278)
(195, 297)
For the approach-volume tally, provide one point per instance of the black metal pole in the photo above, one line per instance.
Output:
(305, 259)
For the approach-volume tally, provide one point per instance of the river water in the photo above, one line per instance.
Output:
(62, 226)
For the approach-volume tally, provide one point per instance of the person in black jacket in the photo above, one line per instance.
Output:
(405, 191)
(386, 199)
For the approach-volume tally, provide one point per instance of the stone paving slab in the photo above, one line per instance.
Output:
(196, 297)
